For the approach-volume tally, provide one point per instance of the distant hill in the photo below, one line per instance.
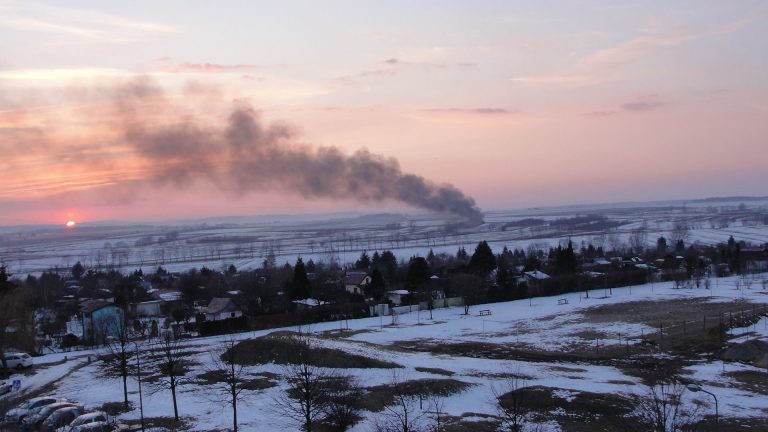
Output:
(730, 199)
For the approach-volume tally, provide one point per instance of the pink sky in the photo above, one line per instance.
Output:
(516, 104)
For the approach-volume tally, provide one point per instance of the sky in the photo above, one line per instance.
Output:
(143, 110)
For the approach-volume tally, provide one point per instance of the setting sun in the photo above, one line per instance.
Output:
(70, 224)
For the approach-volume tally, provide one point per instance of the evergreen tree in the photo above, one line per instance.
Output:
(77, 270)
(418, 272)
(483, 261)
(300, 288)
(377, 286)
(388, 265)
(661, 246)
(364, 262)
(461, 254)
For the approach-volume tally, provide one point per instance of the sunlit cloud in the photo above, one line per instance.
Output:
(84, 23)
(61, 74)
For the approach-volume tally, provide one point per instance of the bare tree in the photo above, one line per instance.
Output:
(510, 403)
(172, 368)
(638, 238)
(116, 361)
(661, 407)
(228, 373)
(404, 414)
(307, 396)
(8, 308)
(467, 286)
(679, 232)
(436, 411)
(342, 407)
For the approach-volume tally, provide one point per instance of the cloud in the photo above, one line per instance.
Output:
(392, 65)
(394, 61)
(479, 111)
(602, 113)
(601, 65)
(84, 23)
(639, 105)
(642, 105)
(145, 138)
(213, 67)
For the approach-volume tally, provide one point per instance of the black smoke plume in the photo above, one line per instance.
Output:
(246, 155)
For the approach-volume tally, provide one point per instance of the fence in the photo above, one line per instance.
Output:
(385, 310)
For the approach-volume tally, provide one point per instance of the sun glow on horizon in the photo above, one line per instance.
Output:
(71, 224)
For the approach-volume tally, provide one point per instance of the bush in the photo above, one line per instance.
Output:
(230, 325)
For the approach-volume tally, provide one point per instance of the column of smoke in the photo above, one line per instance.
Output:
(245, 155)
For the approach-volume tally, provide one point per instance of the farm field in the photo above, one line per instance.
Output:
(247, 242)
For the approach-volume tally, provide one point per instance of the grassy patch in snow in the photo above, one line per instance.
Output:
(163, 422)
(378, 397)
(285, 349)
(573, 410)
(750, 380)
(261, 382)
(436, 371)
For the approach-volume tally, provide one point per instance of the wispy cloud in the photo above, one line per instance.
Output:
(398, 62)
(601, 65)
(84, 23)
(392, 66)
(478, 111)
(61, 74)
(643, 105)
(213, 67)
(640, 104)
(598, 66)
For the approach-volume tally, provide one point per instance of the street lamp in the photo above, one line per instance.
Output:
(138, 375)
(697, 388)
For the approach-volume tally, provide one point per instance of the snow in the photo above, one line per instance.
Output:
(540, 322)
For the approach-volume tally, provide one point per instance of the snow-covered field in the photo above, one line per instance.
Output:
(542, 323)
(247, 242)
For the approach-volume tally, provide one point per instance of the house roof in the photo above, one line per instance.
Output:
(310, 302)
(355, 278)
(165, 295)
(219, 305)
(90, 306)
(538, 275)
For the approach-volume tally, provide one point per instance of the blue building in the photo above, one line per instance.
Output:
(101, 320)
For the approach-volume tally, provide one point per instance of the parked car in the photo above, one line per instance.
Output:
(98, 426)
(60, 418)
(18, 360)
(17, 415)
(36, 416)
(90, 417)
(5, 387)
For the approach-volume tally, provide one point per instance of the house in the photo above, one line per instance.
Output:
(163, 303)
(535, 276)
(533, 280)
(152, 308)
(101, 320)
(221, 308)
(754, 260)
(396, 297)
(599, 264)
(356, 282)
